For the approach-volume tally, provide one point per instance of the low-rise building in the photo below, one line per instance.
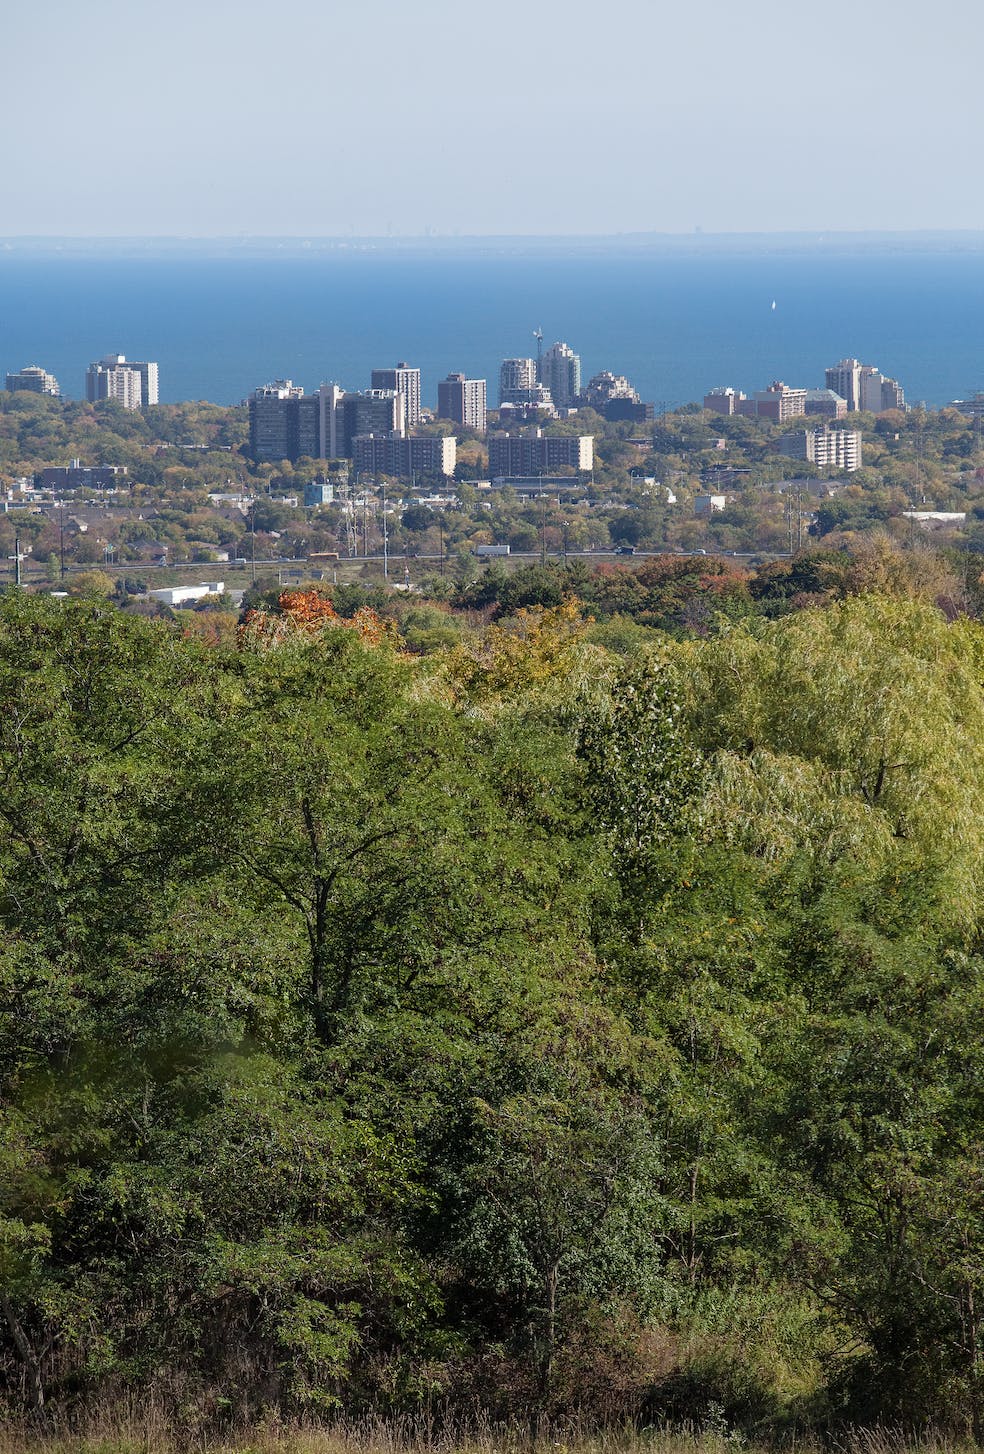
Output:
(185, 595)
(936, 519)
(709, 504)
(540, 487)
(816, 489)
(631, 411)
(76, 476)
(825, 403)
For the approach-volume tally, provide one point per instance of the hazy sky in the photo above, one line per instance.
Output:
(211, 117)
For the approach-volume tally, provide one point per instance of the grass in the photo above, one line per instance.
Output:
(143, 1432)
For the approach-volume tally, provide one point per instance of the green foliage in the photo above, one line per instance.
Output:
(518, 1024)
(642, 773)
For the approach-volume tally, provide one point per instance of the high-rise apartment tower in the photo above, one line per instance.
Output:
(403, 380)
(284, 422)
(134, 385)
(517, 380)
(462, 400)
(33, 380)
(560, 372)
(864, 387)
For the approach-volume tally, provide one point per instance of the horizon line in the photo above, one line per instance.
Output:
(692, 235)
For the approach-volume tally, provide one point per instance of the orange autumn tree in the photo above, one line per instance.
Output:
(307, 613)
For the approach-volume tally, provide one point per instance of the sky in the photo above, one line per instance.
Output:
(539, 117)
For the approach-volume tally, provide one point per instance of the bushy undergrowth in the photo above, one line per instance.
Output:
(524, 1035)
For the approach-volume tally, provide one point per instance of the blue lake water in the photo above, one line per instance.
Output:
(676, 325)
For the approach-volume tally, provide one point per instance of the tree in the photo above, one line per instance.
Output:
(565, 1196)
(418, 518)
(642, 777)
(341, 779)
(94, 584)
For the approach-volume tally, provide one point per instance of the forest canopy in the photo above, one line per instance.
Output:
(522, 1026)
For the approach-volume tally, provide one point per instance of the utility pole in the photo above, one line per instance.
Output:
(348, 510)
(386, 570)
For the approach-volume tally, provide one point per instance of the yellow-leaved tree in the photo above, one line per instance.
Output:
(855, 735)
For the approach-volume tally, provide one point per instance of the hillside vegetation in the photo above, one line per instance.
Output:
(524, 1028)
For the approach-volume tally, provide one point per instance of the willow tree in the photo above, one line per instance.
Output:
(855, 734)
(845, 753)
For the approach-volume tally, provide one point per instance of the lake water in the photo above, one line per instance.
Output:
(676, 325)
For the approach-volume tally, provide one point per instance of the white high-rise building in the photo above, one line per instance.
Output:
(827, 448)
(134, 385)
(560, 372)
(864, 387)
(148, 381)
(879, 393)
(517, 380)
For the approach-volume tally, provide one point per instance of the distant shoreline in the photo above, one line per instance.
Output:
(691, 244)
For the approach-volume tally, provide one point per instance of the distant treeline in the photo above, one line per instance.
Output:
(528, 1026)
